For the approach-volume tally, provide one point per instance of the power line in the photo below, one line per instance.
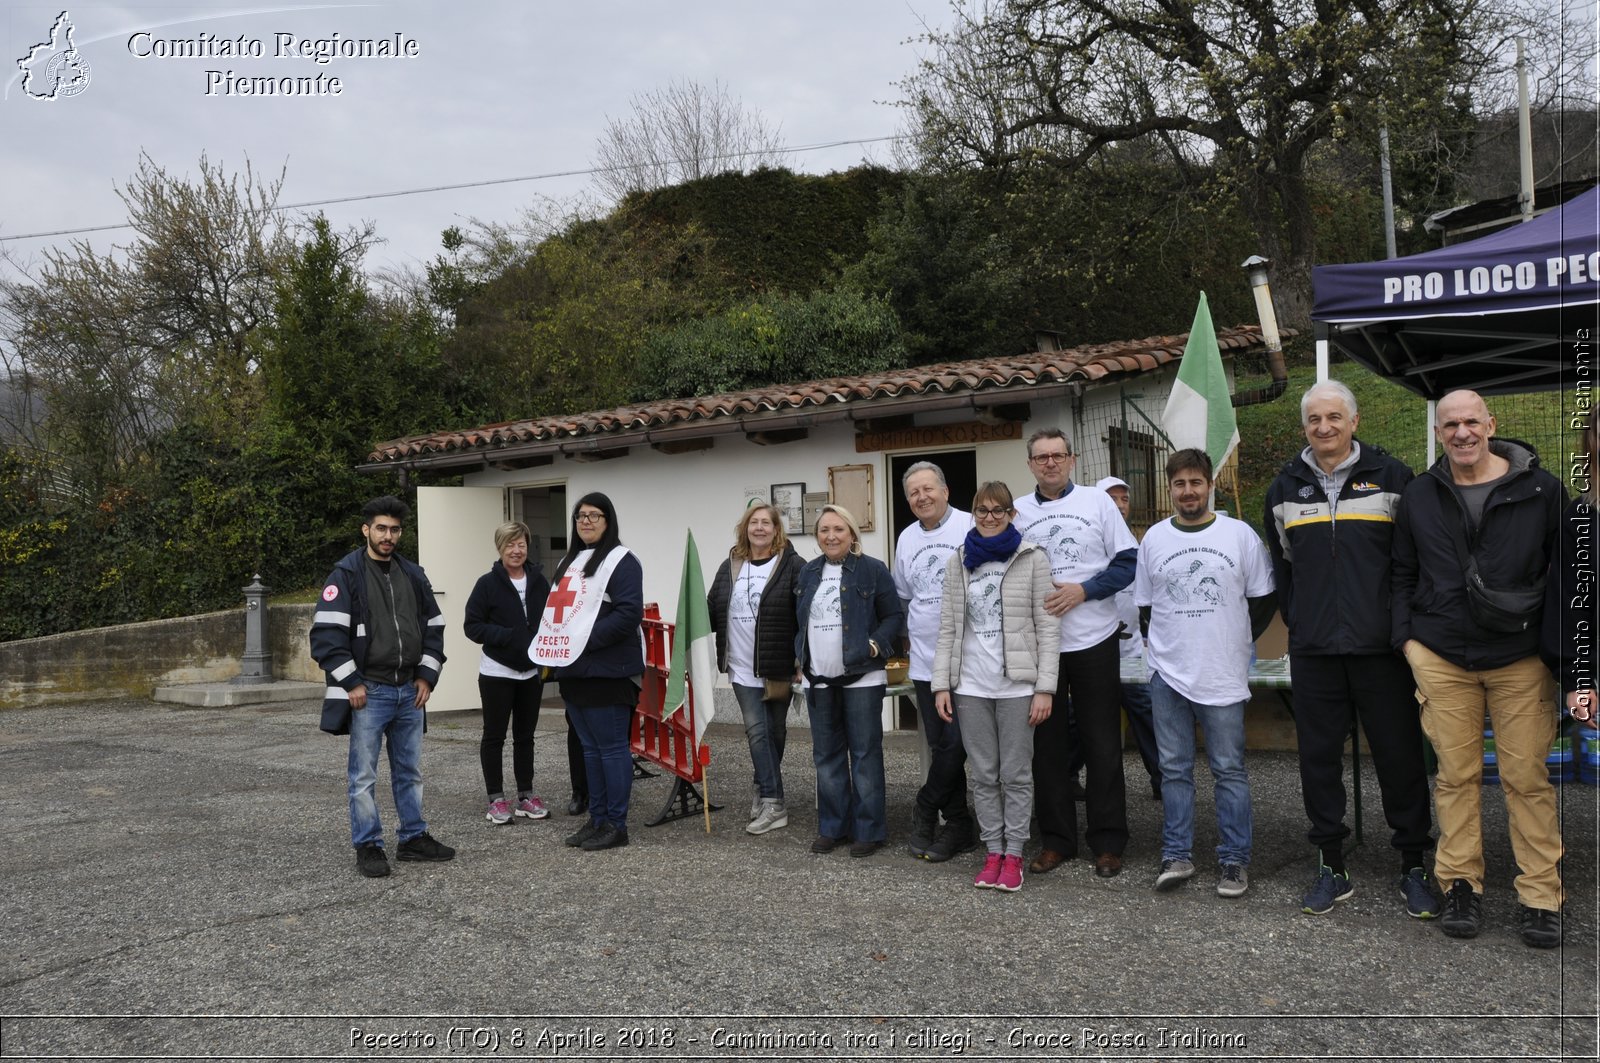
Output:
(465, 184)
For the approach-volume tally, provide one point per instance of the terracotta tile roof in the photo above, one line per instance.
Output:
(596, 429)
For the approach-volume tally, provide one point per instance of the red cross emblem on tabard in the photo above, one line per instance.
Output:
(563, 597)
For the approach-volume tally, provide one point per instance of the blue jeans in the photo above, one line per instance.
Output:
(1175, 717)
(766, 727)
(390, 711)
(847, 748)
(1136, 703)
(606, 759)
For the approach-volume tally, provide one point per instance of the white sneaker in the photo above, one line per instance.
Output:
(499, 812)
(772, 816)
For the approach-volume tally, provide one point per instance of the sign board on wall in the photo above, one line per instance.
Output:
(937, 435)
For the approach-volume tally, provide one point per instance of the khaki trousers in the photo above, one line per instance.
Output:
(1520, 699)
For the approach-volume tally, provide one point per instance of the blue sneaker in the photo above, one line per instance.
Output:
(1422, 900)
(1328, 888)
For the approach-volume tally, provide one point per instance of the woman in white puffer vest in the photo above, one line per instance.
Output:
(995, 666)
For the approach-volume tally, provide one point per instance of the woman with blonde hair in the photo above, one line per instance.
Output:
(995, 667)
(848, 617)
(752, 612)
(502, 616)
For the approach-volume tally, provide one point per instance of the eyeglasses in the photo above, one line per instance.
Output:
(591, 518)
(1049, 459)
(992, 512)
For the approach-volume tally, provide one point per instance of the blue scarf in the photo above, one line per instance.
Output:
(982, 549)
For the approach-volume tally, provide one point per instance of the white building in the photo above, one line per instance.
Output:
(694, 463)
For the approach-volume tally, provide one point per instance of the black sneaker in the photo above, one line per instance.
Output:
(923, 827)
(1541, 928)
(583, 834)
(1463, 911)
(606, 836)
(423, 847)
(371, 862)
(958, 837)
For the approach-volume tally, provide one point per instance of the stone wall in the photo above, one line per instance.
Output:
(133, 659)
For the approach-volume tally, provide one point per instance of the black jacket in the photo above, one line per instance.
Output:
(775, 619)
(1331, 563)
(1571, 605)
(339, 634)
(499, 620)
(1514, 545)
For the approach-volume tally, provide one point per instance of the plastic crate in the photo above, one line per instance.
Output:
(1588, 759)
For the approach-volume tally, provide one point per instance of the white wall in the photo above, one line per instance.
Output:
(659, 495)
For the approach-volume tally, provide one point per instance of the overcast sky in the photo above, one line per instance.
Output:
(496, 89)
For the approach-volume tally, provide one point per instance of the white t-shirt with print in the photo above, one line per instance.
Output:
(1080, 532)
(983, 671)
(825, 631)
(1196, 583)
(744, 603)
(920, 557)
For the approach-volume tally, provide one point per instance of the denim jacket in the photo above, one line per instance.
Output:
(869, 607)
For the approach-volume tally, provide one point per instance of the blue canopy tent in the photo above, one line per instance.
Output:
(1507, 312)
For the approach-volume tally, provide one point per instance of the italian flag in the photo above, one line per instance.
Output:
(1199, 411)
(694, 648)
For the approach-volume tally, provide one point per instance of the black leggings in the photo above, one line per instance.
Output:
(515, 701)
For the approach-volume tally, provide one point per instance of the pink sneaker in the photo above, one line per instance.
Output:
(532, 808)
(1010, 878)
(990, 873)
(499, 811)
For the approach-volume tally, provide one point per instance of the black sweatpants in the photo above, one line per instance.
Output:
(1329, 693)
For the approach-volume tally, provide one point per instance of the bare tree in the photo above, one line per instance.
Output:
(679, 133)
(110, 349)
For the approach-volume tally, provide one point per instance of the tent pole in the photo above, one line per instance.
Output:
(1320, 330)
(1433, 412)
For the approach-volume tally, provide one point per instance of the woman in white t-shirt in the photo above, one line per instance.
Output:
(751, 605)
(847, 617)
(995, 666)
(502, 616)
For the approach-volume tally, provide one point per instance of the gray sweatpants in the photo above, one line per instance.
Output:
(999, 745)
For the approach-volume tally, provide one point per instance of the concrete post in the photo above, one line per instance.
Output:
(256, 665)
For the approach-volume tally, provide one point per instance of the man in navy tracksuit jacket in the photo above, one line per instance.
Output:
(1330, 528)
(379, 636)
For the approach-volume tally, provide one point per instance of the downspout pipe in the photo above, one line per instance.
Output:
(1256, 266)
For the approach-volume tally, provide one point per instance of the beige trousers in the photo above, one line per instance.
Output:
(1520, 699)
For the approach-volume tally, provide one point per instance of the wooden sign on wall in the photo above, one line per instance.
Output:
(937, 435)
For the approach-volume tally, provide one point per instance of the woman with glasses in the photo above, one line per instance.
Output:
(995, 666)
(752, 612)
(502, 616)
(590, 633)
(848, 617)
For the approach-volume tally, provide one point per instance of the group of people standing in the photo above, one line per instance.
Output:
(1414, 605)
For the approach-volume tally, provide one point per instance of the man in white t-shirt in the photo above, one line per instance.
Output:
(920, 557)
(1205, 585)
(1092, 555)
